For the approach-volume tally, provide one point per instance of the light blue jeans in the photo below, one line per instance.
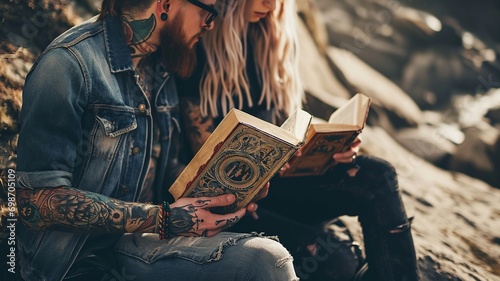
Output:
(225, 256)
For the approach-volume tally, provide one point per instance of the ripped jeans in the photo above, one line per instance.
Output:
(225, 256)
(372, 195)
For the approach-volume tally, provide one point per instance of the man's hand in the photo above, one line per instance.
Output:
(192, 217)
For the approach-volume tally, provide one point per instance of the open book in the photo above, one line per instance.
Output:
(324, 140)
(240, 157)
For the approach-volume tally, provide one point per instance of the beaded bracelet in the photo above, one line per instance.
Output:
(164, 221)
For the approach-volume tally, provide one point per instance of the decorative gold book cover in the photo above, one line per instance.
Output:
(240, 166)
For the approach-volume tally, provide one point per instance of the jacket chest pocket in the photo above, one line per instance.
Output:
(110, 131)
(116, 123)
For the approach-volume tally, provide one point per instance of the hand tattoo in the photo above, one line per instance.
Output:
(185, 220)
(229, 222)
(182, 220)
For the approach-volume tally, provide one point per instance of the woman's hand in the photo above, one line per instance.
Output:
(192, 216)
(252, 207)
(287, 165)
(350, 155)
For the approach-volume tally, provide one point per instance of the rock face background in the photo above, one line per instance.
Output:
(435, 113)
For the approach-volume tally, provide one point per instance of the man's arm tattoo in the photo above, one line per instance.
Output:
(82, 211)
(199, 127)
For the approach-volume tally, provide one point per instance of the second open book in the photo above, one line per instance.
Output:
(326, 139)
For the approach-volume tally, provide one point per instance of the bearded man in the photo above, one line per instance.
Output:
(99, 124)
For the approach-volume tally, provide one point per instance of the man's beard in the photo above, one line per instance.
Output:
(176, 54)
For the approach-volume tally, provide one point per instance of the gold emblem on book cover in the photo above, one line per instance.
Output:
(241, 162)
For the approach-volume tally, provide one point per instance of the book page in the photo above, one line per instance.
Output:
(353, 113)
(298, 124)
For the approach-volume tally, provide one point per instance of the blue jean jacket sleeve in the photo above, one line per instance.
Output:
(54, 100)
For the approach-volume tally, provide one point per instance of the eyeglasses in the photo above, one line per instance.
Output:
(212, 12)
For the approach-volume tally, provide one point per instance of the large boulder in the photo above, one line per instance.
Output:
(475, 156)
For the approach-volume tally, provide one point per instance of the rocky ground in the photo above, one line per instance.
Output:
(457, 217)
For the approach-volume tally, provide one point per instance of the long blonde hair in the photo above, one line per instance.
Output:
(274, 42)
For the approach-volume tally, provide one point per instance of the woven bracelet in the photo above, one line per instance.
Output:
(165, 221)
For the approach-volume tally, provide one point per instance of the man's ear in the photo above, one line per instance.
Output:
(165, 8)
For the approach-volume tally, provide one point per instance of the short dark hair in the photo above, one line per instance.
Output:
(115, 7)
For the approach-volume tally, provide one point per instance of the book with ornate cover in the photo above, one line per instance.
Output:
(326, 139)
(240, 157)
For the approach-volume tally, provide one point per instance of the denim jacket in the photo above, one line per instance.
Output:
(86, 123)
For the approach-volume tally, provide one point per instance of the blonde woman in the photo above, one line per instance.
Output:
(249, 61)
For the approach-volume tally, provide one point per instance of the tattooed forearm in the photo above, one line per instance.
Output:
(82, 211)
(199, 127)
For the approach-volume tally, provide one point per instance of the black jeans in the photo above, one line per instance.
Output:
(372, 195)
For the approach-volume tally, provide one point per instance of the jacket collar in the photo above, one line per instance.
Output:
(117, 49)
